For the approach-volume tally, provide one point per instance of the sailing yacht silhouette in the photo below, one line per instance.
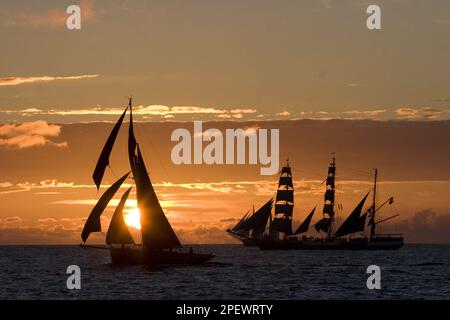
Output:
(158, 237)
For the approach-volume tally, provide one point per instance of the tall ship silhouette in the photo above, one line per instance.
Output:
(160, 244)
(278, 233)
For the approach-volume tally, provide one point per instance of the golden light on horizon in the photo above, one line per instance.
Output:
(133, 218)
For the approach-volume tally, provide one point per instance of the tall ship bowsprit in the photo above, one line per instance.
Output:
(260, 225)
(350, 235)
(160, 244)
(252, 226)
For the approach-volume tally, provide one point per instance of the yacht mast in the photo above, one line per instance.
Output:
(374, 208)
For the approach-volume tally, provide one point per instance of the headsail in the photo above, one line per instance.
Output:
(362, 222)
(118, 232)
(103, 160)
(93, 221)
(323, 225)
(284, 204)
(258, 221)
(240, 222)
(305, 225)
(353, 223)
(157, 233)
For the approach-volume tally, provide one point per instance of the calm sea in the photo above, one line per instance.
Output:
(237, 272)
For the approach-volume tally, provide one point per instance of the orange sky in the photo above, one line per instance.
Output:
(46, 190)
(309, 68)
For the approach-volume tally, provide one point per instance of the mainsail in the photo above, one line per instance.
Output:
(305, 225)
(118, 232)
(157, 233)
(131, 139)
(326, 223)
(284, 203)
(93, 221)
(353, 223)
(103, 160)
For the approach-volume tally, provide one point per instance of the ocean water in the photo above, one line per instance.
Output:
(237, 272)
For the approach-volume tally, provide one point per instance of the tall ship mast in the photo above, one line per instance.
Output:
(284, 205)
(158, 237)
(326, 223)
(350, 235)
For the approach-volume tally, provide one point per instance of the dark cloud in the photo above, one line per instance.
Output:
(203, 234)
(426, 227)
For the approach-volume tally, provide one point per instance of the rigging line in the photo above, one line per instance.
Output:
(152, 146)
(316, 173)
(361, 172)
(112, 171)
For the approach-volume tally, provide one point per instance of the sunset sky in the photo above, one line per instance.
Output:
(309, 68)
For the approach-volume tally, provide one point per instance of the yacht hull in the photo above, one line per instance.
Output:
(136, 256)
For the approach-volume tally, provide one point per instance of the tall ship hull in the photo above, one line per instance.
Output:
(246, 241)
(350, 235)
(391, 243)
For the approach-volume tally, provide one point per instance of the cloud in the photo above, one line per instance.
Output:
(48, 184)
(203, 234)
(29, 134)
(14, 219)
(284, 114)
(363, 114)
(164, 112)
(422, 113)
(375, 114)
(353, 85)
(187, 113)
(15, 81)
(52, 18)
(426, 227)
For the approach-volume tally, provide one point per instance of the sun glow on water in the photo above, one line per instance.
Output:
(133, 218)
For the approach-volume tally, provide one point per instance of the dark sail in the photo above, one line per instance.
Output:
(103, 160)
(285, 195)
(238, 225)
(282, 224)
(286, 181)
(131, 139)
(157, 233)
(361, 223)
(258, 220)
(284, 203)
(286, 170)
(323, 225)
(305, 225)
(326, 223)
(93, 221)
(118, 232)
(353, 223)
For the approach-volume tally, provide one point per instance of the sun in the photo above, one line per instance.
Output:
(133, 218)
